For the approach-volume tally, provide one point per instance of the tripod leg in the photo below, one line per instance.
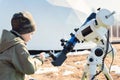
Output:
(84, 76)
(92, 71)
(106, 73)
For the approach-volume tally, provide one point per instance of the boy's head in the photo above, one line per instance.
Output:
(23, 23)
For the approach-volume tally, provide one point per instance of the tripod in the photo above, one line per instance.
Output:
(95, 60)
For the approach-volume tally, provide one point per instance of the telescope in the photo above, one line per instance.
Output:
(89, 31)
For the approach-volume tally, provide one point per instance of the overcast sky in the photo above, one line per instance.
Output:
(55, 19)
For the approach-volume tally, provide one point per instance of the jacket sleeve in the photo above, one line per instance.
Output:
(23, 62)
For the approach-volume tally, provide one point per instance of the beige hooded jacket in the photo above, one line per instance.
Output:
(15, 60)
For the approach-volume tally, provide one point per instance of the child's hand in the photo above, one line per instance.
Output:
(42, 56)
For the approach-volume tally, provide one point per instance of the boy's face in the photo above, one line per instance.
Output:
(28, 36)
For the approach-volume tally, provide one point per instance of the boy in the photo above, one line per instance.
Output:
(15, 60)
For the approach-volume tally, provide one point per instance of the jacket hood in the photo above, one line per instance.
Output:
(8, 40)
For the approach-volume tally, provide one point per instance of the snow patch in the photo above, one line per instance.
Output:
(46, 70)
(116, 69)
(67, 72)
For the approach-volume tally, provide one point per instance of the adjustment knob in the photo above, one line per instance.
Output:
(76, 29)
(98, 52)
